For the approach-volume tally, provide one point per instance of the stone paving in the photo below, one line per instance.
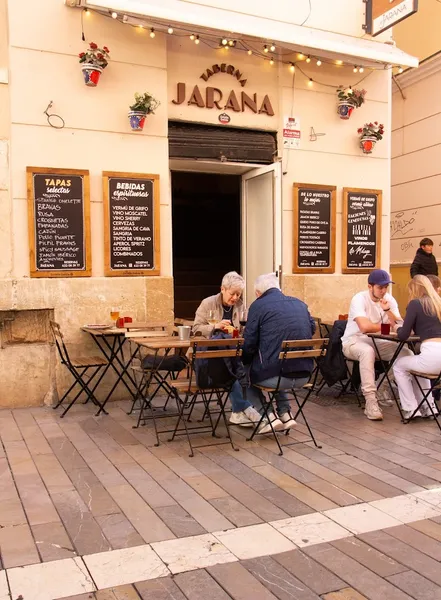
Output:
(90, 508)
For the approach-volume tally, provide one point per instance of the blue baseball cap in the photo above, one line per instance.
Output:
(379, 277)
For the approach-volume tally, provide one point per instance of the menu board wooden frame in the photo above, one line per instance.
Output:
(108, 271)
(378, 224)
(87, 271)
(333, 212)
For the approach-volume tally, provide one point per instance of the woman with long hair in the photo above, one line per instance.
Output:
(423, 317)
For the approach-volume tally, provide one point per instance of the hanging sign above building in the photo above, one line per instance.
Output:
(314, 228)
(213, 97)
(59, 222)
(131, 224)
(361, 230)
(382, 14)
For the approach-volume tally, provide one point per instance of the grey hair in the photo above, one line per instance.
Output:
(265, 282)
(233, 280)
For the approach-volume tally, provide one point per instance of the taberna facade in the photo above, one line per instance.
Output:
(245, 164)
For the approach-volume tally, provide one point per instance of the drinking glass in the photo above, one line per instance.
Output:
(243, 316)
(114, 314)
(212, 317)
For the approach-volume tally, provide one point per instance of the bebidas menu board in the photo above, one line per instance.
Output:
(361, 230)
(314, 228)
(131, 213)
(59, 222)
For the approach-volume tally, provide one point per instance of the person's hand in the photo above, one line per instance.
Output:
(384, 304)
(222, 324)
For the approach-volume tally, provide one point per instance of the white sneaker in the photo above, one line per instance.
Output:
(252, 415)
(276, 423)
(240, 418)
(384, 396)
(373, 411)
(287, 420)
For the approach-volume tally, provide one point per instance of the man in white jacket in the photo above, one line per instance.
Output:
(367, 311)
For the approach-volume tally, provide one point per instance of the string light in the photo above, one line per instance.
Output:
(361, 70)
(114, 15)
(339, 62)
(400, 70)
(249, 52)
(125, 18)
(197, 40)
(272, 48)
(87, 12)
(170, 30)
(152, 33)
(141, 27)
(310, 82)
(301, 56)
(231, 43)
(192, 37)
(355, 69)
(308, 59)
(265, 49)
(319, 62)
(224, 42)
(292, 67)
(271, 61)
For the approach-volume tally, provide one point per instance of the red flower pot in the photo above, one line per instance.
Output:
(137, 119)
(91, 74)
(367, 143)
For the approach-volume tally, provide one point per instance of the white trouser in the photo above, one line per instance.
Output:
(363, 349)
(429, 361)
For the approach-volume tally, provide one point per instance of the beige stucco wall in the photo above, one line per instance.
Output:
(44, 67)
(420, 34)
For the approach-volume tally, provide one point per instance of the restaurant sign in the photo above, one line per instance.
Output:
(382, 14)
(212, 97)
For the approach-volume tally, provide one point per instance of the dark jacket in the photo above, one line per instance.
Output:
(272, 319)
(423, 264)
(333, 365)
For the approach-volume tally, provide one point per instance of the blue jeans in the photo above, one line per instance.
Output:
(238, 402)
(256, 397)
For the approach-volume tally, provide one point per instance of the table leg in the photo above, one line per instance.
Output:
(386, 368)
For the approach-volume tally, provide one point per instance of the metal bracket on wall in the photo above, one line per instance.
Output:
(313, 135)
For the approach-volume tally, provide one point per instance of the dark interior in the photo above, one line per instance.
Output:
(206, 236)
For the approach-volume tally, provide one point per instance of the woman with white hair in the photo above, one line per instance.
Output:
(423, 316)
(216, 313)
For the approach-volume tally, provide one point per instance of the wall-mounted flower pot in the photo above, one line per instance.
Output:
(345, 109)
(91, 74)
(367, 143)
(137, 119)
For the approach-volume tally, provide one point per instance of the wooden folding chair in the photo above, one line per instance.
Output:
(79, 368)
(292, 349)
(189, 393)
(435, 384)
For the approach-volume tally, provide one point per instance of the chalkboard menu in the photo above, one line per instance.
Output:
(314, 228)
(131, 213)
(59, 222)
(361, 230)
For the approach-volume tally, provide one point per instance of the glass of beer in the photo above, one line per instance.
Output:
(114, 314)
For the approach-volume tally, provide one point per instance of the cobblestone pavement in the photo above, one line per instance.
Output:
(90, 508)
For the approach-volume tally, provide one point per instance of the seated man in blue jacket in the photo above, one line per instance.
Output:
(272, 319)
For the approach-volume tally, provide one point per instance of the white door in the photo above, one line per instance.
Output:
(261, 224)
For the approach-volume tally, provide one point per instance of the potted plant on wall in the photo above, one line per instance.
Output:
(145, 104)
(93, 61)
(348, 100)
(370, 134)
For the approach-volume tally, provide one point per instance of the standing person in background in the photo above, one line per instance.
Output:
(424, 262)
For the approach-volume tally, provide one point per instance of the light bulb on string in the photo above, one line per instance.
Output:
(152, 33)
(249, 52)
(292, 67)
(339, 62)
(301, 56)
(350, 90)
(114, 15)
(192, 37)
(231, 43)
(361, 70)
(355, 69)
(87, 12)
(197, 40)
(125, 18)
(318, 63)
(310, 82)
(308, 59)
(224, 42)
(272, 48)
(271, 61)
(400, 70)
(141, 27)
(170, 30)
(265, 49)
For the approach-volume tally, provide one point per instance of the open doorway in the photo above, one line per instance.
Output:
(206, 217)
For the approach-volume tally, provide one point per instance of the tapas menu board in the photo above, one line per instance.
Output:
(59, 222)
(314, 228)
(361, 230)
(131, 224)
